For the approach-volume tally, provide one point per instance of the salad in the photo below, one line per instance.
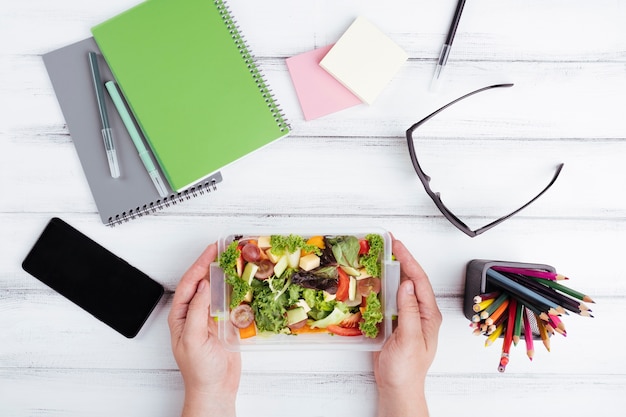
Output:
(291, 285)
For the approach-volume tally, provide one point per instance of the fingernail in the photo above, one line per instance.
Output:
(202, 285)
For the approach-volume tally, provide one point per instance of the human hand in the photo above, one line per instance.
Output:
(400, 367)
(210, 373)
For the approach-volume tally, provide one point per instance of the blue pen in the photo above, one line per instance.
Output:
(136, 138)
(107, 133)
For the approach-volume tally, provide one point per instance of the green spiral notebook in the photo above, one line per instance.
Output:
(192, 85)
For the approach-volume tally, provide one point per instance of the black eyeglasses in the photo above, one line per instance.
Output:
(435, 196)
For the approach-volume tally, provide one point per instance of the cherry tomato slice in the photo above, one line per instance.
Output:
(364, 247)
(352, 320)
(369, 285)
(242, 316)
(240, 265)
(343, 331)
(343, 286)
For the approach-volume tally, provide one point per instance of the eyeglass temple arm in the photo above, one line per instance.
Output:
(425, 119)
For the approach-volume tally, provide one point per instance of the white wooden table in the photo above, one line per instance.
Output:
(568, 62)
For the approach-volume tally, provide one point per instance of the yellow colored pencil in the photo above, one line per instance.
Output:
(543, 333)
(493, 336)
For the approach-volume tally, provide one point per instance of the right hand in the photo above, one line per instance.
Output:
(400, 367)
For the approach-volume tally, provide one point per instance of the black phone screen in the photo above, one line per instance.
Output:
(95, 279)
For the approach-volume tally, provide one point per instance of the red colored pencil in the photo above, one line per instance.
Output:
(486, 296)
(508, 335)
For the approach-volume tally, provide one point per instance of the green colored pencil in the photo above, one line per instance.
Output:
(517, 324)
(566, 290)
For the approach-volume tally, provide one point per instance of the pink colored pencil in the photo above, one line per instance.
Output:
(552, 276)
(557, 324)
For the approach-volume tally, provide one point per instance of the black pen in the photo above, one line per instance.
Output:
(447, 45)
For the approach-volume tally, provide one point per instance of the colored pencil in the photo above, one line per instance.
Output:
(517, 323)
(557, 325)
(493, 336)
(520, 290)
(543, 333)
(497, 312)
(566, 290)
(550, 293)
(504, 361)
(528, 335)
(537, 273)
(518, 301)
(493, 306)
(508, 335)
(538, 308)
(486, 296)
(480, 306)
(495, 323)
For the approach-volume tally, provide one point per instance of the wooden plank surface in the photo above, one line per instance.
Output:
(568, 63)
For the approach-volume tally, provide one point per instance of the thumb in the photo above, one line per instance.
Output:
(198, 313)
(409, 319)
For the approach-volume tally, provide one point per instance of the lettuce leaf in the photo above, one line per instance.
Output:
(372, 315)
(372, 259)
(320, 308)
(269, 313)
(346, 250)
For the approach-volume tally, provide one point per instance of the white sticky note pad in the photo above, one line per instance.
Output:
(364, 60)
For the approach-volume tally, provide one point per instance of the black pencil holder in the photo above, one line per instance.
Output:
(476, 279)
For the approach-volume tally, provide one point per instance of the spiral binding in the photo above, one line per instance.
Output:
(151, 208)
(250, 61)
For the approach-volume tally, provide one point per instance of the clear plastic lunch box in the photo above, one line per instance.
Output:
(229, 334)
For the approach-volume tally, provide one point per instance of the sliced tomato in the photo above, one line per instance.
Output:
(343, 286)
(240, 265)
(352, 320)
(344, 331)
(364, 247)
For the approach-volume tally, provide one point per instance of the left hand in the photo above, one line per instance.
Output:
(211, 373)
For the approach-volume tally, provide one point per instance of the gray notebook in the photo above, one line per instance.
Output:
(132, 194)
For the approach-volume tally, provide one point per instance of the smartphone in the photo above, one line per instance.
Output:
(101, 283)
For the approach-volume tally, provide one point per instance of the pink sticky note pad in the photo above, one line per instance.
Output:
(319, 92)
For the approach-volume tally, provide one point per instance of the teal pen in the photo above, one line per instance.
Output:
(136, 138)
(107, 132)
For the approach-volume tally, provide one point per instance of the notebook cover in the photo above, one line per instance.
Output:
(364, 59)
(182, 70)
(133, 192)
(319, 92)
